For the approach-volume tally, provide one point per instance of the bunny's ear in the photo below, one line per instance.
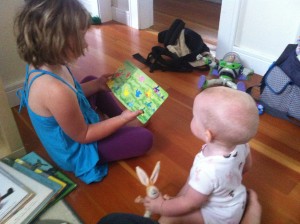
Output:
(155, 173)
(144, 179)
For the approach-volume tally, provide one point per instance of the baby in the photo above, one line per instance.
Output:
(225, 119)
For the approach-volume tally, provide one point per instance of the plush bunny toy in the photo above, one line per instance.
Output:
(151, 190)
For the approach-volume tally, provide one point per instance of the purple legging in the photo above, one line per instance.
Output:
(127, 142)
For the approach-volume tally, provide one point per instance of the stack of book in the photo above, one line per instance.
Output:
(28, 186)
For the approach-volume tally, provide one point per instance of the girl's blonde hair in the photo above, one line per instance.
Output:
(51, 31)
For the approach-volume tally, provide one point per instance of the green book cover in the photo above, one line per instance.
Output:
(136, 90)
(38, 176)
(38, 162)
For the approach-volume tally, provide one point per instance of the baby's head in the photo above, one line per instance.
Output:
(225, 115)
(51, 31)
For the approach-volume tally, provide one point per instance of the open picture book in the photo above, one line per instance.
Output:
(136, 90)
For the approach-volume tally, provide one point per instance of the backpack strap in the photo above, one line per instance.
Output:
(161, 58)
(170, 61)
(172, 34)
(154, 59)
(141, 59)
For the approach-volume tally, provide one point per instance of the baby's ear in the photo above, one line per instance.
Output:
(208, 136)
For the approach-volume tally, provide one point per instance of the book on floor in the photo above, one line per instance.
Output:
(30, 210)
(136, 90)
(52, 182)
(13, 193)
(37, 162)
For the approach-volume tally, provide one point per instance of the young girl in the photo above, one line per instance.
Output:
(225, 119)
(50, 35)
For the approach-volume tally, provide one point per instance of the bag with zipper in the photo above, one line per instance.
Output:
(280, 87)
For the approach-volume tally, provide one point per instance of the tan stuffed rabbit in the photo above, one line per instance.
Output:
(151, 190)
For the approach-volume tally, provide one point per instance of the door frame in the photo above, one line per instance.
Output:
(230, 13)
(228, 40)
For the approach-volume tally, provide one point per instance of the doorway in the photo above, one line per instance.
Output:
(202, 16)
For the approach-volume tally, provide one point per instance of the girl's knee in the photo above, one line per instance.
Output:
(147, 137)
(143, 139)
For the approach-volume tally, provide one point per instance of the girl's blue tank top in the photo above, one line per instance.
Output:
(69, 155)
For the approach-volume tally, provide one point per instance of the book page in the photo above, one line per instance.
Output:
(136, 90)
(42, 197)
(13, 197)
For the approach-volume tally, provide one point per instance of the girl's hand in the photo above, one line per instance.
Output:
(128, 115)
(96, 85)
(154, 205)
(102, 80)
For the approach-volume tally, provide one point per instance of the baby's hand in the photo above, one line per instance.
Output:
(154, 205)
(128, 115)
(167, 197)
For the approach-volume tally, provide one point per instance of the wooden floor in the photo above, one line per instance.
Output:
(275, 174)
(276, 170)
(200, 16)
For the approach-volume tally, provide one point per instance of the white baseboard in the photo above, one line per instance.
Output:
(251, 59)
(11, 92)
(18, 153)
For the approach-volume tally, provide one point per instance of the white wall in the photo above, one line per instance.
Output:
(258, 30)
(121, 4)
(105, 10)
(91, 6)
(12, 68)
(10, 139)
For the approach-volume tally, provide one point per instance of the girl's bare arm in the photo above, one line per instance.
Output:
(63, 105)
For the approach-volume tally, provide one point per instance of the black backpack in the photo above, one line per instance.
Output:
(160, 58)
